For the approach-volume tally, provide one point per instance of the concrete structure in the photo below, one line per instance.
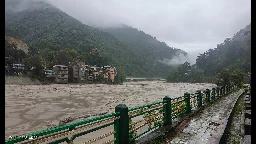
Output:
(93, 73)
(76, 70)
(109, 74)
(50, 75)
(61, 73)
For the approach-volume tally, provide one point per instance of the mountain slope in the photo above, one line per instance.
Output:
(149, 48)
(233, 53)
(228, 63)
(142, 42)
(43, 24)
(18, 43)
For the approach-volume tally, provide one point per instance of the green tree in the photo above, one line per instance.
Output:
(13, 54)
(121, 76)
(180, 74)
(230, 77)
(34, 64)
(63, 57)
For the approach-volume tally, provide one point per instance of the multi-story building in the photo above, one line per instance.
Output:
(109, 74)
(61, 73)
(76, 70)
(92, 74)
(79, 72)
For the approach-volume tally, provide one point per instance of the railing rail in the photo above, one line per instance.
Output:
(129, 123)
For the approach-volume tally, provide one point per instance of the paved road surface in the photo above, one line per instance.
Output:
(208, 127)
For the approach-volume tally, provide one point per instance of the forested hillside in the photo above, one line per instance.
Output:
(149, 48)
(232, 58)
(233, 53)
(48, 30)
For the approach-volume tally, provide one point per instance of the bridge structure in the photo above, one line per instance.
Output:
(130, 125)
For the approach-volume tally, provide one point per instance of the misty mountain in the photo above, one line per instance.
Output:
(147, 45)
(229, 60)
(233, 53)
(40, 24)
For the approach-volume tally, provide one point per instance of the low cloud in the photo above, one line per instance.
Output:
(188, 25)
(179, 59)
(21, 5)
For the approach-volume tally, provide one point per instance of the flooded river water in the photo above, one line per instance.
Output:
(30, 108)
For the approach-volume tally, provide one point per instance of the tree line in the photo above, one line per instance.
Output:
(39, 57)
(228, 63)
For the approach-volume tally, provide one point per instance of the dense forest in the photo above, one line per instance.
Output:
(149, 48)
(229, 60)
(51, 32)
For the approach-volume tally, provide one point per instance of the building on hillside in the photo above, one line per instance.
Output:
(112, 74)
(61, 73)
(109, 74)
(76, 70)
(15, 69)
(82, 70)
(92, 74)
(50, 75)
(19, 66)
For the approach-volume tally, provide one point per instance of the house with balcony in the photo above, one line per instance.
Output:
(61, 73)
(76, 71)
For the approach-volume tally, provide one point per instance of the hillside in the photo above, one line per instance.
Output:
(144, 43)
(18, 43)
(149, 48)
(42, 25)
(230, 59)
(233, 53)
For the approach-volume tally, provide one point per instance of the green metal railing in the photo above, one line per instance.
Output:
(61, 134)
(128, 124)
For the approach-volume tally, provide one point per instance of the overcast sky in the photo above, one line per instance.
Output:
(190, 25)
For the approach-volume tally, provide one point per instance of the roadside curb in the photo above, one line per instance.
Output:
(247, 120)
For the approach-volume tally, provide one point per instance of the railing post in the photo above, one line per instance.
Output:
(218, 92)
(221, 90)
(208, 95)
(121, 125)
(213, 93)
(187, 101)
(199, 98)
(224, 90)
(167, 109)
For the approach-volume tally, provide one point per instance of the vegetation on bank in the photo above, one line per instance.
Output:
(227, 64)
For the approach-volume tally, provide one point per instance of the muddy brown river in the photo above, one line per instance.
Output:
(30, 108)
